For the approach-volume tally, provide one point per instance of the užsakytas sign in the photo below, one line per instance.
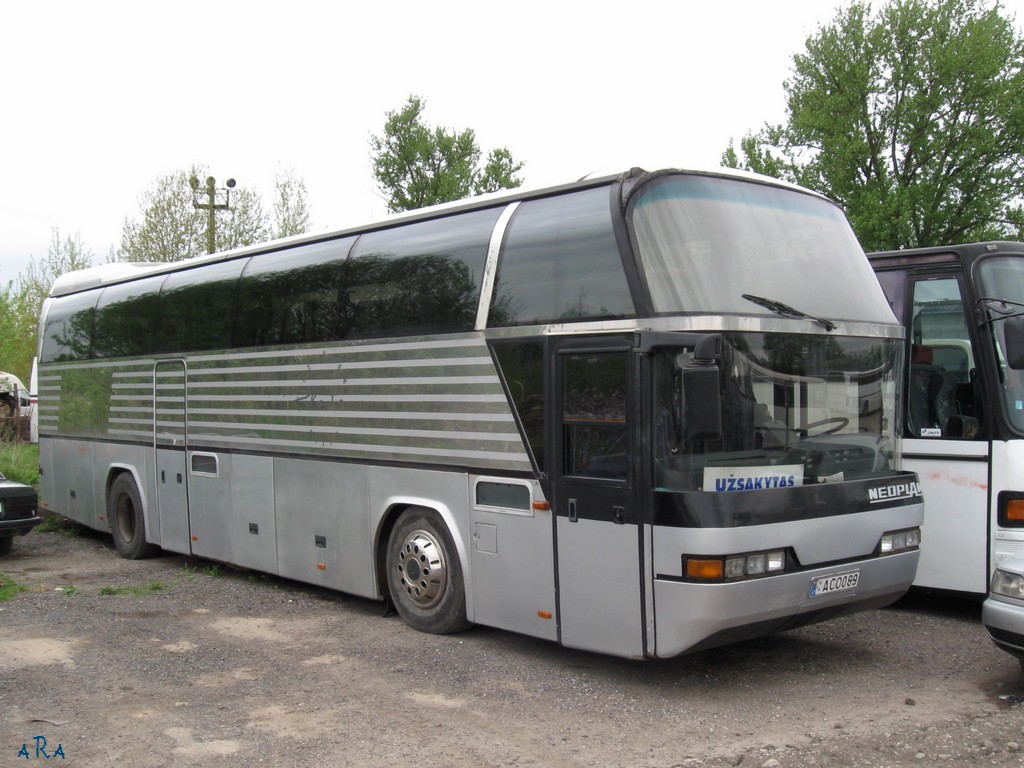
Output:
(753, 478)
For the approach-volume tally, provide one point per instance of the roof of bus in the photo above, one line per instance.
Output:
(943, 254)
(105, 274)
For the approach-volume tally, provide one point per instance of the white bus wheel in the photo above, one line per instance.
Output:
(424, 575)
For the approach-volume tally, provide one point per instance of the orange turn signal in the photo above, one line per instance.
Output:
(704, 569)
(1015, 510)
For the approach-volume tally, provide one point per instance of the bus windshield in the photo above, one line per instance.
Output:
(1002, 280)
(796, 410)
(704, 242)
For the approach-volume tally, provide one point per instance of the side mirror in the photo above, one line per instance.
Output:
(1013, 329)
(702, 396)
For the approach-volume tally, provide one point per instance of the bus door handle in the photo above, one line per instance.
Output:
(573, 516)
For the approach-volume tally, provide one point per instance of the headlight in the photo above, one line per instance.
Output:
(1007, 584)
(900, 541)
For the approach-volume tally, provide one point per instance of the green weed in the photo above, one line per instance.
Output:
(137, 590)
(9, 587)
(19, 462)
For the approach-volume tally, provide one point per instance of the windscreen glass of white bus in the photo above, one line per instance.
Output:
(705, 241)
(1001, 284)
(796, 410)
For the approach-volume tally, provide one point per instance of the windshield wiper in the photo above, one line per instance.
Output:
(785, 310)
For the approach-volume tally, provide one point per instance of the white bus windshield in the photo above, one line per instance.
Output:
(704, 242)
(1002, 280)
(796, 410)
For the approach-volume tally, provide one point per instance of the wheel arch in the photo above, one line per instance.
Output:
(114, 471)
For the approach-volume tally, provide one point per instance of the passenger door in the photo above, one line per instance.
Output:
(171, 456)
(596, 522)
(945, 438)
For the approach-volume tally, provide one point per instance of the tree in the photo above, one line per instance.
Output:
(22, 300)
(910, 118)
(172, 228)
(416, 165)
(291, 211)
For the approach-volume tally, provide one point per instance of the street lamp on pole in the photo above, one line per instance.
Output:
(216, 200)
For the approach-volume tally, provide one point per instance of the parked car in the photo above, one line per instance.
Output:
(1002, 613)
(19, 505)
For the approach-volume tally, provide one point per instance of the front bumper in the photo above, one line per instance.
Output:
(1004, 622)
(691, 617)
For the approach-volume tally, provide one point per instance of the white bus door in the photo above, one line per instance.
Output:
(598, 552)
(946, 441)
(171, 455)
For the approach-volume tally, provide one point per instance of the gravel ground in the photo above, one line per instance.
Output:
(192, 663)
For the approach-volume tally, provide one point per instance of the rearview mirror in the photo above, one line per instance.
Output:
(702, 397)
(1013, 329)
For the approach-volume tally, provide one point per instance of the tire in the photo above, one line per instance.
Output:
(6, 545)
(424, 574)
(127, 524)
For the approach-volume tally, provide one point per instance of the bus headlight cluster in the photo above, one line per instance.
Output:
(900, 541)
(1007, 584)
(735, 567)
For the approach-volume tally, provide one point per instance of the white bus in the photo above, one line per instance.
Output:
(964, 410)
(639, 414)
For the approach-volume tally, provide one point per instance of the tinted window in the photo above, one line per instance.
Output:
(68, 330)
(522, 367)
(291, 297)
(125, 318)
(196, 308)
(417, 278)
(560, 261)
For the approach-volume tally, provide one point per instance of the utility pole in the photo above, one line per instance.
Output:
(216, 200)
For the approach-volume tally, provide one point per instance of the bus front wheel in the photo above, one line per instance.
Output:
(424, 575)
(124, 513)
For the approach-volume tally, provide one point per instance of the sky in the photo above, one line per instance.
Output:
(100, 99)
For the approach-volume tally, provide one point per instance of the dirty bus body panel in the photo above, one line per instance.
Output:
(964, 406)
(639, 414)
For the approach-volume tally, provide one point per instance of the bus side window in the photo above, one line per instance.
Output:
(942, 395)
(560, 262)
(68, 332)
(422, 277)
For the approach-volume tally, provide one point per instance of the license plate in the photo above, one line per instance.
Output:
(834, 582)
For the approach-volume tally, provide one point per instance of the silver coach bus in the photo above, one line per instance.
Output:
(640, 414)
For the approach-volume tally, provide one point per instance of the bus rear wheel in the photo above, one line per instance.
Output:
(124, 513)
(424, 575)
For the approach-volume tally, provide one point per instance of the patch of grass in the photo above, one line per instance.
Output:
(138, 590)
(189, 571)
(19, 462)
(9, 587)
(213, 571)
(69, 590)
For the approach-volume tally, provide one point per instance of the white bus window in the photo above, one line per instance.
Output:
(941, 399)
